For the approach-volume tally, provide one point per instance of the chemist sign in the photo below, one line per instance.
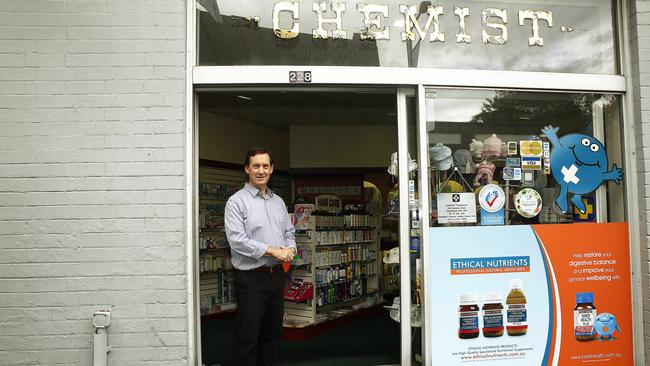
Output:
(456, 208)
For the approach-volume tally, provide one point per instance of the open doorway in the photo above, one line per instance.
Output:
(333, 144)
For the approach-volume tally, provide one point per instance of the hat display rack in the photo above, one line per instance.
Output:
(481, 158)
(465, 184)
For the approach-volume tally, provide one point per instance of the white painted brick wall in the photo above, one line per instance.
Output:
(640, 39)
(91, 180)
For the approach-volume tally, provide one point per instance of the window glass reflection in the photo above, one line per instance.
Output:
(575, 37)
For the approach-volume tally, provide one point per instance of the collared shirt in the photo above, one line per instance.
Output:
(253, 223)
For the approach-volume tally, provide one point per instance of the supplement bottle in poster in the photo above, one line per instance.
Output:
(516, 313)
(492, 314)
(584, 315)
(468, 312)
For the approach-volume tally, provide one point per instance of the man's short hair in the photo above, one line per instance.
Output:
(256, 150)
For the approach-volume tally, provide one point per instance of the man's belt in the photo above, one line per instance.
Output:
(267, 269)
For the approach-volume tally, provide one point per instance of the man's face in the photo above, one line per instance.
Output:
(259, 170)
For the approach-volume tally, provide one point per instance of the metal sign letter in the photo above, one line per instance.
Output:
(294, 9)
(462, 36)
(495, 13)
(368, 33)
(338, 8)
(411, 20)
(535, 16)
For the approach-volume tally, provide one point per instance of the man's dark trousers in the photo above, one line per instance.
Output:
(260, 309)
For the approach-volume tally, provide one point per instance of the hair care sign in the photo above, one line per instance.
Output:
(531, 295)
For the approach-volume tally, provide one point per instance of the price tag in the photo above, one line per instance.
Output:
(300, 77)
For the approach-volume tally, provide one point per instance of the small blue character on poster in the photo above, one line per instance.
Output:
(579, 165)
(605, 325)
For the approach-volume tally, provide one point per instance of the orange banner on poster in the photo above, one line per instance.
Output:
(591, 262)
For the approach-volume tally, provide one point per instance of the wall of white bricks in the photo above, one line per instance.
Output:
(639, 19)
(92, 96)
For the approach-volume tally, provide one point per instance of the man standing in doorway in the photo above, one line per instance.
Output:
(261, 237)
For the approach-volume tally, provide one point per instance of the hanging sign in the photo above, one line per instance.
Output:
(329, 203)
(579, 165)
(456, 208)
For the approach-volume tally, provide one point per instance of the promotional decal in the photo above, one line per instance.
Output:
(531, 163)
(528, 203)
(531, 294)
(579, 165)
(511, 173)
(491, 199)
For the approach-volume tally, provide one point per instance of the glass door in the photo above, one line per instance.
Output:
(413, 181)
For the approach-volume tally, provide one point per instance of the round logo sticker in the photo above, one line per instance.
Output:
(528, 203)
(491, 198)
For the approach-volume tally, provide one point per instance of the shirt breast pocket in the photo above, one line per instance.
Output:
(279, 217)
(255, 221)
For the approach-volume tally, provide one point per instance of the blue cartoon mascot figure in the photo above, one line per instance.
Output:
(605, 325)
(579, 165)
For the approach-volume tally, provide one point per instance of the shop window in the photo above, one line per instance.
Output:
(510, 157)
(568, 37)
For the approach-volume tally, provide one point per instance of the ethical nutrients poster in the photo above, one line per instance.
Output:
(533, 295)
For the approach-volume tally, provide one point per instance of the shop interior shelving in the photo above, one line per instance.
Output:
(342, 257)
(215, 270)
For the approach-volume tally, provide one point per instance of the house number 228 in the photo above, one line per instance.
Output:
(300, 76)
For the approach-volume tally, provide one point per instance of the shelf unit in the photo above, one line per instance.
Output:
(342, 265)
(216, 290)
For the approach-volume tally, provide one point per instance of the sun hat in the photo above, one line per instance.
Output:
(463, 161)
(392, 256)
(476, 148)
(492, 146)
(393, 206)
(484, 170)
(441, 158)
(416, 316)
(393, 167)
(450, 187)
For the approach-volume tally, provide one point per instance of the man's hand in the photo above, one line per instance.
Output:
(291, 252)
(282, 254)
